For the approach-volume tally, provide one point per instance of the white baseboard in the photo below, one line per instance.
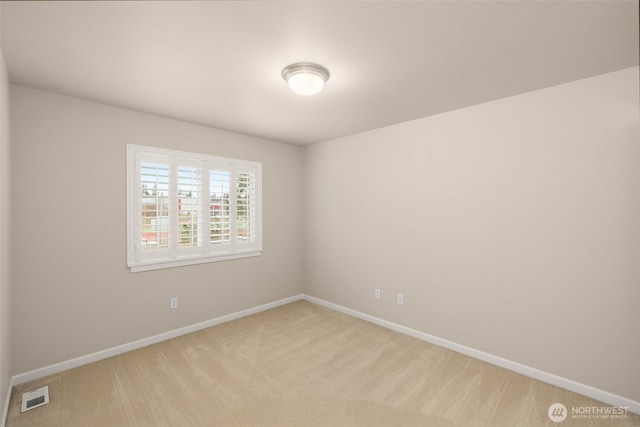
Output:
(537, 374)
(114, 351)
(567, 384)
(5, 411)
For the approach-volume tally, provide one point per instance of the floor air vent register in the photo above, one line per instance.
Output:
(35, 398)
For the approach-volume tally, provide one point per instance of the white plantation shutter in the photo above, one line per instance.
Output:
(185, 208)
(190, 202)
(152, 210)
(219, 210)
(246, 203)
(154, 207)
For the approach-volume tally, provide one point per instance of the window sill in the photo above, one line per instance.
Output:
(158, 265)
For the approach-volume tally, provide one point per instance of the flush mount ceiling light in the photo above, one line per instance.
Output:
(305, 78)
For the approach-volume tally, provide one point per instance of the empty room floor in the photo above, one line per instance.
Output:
(297, 365)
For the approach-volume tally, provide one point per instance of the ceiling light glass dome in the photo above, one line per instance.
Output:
(305, 78)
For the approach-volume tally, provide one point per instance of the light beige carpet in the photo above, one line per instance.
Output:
(297, 365)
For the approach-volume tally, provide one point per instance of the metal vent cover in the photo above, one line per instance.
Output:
(35, 398)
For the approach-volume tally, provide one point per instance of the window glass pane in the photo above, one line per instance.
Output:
(190, 198)
(154, 207)
(220, 220)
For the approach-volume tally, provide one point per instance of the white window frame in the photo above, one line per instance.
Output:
(206, 251)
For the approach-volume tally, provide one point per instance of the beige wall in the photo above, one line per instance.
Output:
(511, 227)
(5, 234)
(73, 294)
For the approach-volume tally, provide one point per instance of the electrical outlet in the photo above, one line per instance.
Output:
(400, 299)
(378, 294)
(173, 303)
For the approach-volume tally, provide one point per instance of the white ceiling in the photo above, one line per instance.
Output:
(219, 63)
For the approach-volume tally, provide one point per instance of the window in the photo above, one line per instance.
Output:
(185, 208)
